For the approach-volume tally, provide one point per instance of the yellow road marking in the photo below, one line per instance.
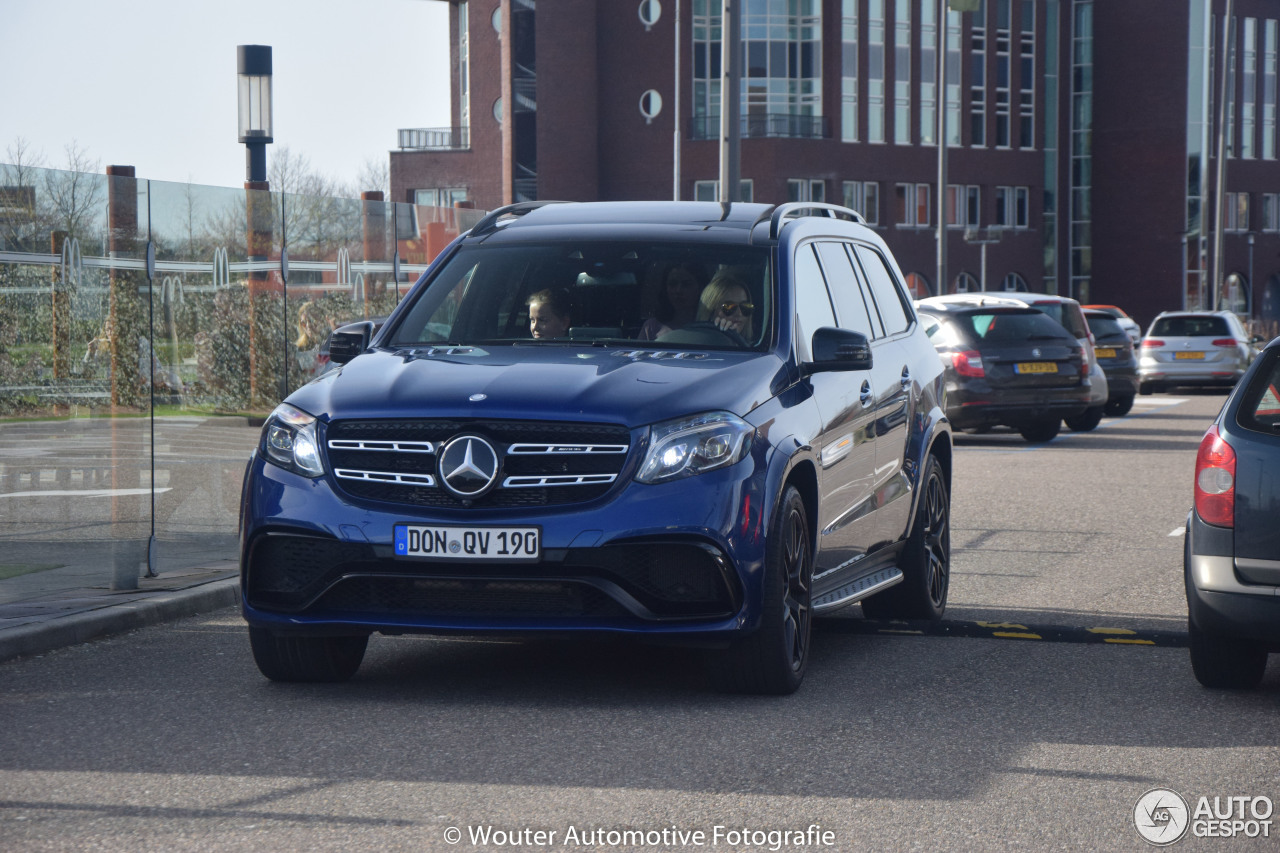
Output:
(1013, 636)
(1111, 631)
(1129, 642)
(1008, 625)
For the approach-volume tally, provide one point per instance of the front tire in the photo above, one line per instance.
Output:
(298, 658)
(926, 559)
(772, 660)
(1226, 663)
(1086, 420)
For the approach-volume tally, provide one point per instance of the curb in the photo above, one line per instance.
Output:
(116, 619)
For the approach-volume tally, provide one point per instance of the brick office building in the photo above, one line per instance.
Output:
(1082, 134)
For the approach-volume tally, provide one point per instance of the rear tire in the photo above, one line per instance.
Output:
(773, 659)
(1041, 431)
(1119, 407)
(1226, 663)
(926, 559)
(297, 658)
(1086, 420)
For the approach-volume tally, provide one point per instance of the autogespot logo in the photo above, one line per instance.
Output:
(1161, 816)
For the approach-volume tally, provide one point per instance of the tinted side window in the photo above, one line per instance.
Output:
(845, 290)
(813, 305)
(1260, 407)
(888, 297)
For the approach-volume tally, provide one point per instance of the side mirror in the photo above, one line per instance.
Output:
(347, 342)
(838, 349)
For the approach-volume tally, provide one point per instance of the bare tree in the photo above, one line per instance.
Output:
(76, 192)
(374, 174)
(19, 214)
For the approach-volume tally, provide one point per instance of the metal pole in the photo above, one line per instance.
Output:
(726, 60)
(1184, 272)
(982, 271)
(941, 284)
(675, 166)
(1249, 284)
(1228, 37)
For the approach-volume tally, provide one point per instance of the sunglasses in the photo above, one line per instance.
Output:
(747, 308)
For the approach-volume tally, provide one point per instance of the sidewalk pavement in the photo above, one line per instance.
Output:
(45, 610)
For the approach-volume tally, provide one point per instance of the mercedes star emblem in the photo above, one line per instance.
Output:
(468, 466)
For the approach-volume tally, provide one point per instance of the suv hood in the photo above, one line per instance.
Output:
(611, 385)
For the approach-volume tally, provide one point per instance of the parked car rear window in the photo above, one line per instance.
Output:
(1067, 315)
(1260, 407)
(1105, 327)
(1007, 326)
(1191, 327)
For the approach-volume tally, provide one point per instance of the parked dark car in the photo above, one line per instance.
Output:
(1113, 348)
(781, 454)
(1232, 553)
(1007, 365)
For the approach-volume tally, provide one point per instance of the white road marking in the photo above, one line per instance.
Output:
(1179, 532)
(82, 493)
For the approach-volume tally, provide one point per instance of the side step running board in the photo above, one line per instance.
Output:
(857, 590)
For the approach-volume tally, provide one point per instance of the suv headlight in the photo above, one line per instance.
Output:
(289, 440)
(694, 445)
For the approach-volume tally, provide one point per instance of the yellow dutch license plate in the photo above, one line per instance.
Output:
(1105, 352)
(1037, 367)
(1188, 355)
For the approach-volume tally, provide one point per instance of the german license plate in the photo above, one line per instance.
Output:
(1189, 355)
(1105, 352)
(1036, 367)
(468, 543)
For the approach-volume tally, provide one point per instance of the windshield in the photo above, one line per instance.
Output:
(583, 293)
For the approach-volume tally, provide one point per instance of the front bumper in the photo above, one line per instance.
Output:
(676, 558)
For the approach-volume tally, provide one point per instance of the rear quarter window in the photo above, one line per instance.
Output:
(1260, 406)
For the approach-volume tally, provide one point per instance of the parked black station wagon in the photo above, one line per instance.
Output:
(684, 422)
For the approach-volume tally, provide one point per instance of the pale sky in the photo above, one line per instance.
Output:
(152, 83)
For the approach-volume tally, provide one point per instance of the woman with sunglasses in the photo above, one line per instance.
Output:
(726, 303)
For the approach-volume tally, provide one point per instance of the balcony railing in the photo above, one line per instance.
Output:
(765, 126)
(435, 138)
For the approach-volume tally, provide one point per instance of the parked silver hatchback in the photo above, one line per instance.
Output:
(1200, 348)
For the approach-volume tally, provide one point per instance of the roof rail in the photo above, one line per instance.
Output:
(490, 222)
(793, 209)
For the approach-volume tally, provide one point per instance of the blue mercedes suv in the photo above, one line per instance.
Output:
(684, 421)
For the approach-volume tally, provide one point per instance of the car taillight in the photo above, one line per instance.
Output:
(1225, 342)
(1151, 343)
(968, 363)
(1084, 362)
(1216, 480)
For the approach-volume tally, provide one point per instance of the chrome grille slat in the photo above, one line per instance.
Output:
(395, 477)
(547, 449)
(558, 480)
(397, 446)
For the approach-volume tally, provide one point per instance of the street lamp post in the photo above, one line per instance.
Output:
(973, 236)
(1249, 283)
(253, 78)
(253, 72)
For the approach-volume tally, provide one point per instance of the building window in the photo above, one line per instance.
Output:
(1002, 73)
(849, 71)
(902, 72)
(710, 190)
(439, 196)
(912, 201)
(864, 197)
(928, 73)
(1269, 93)
(1270, 212)
(801, 189)
(964, 206)
(1237, 212)
(875, 71)
(1027, 77)
(978, 78)
(1249, 89)
(954, 36)
(1013, 207)
(1014, 282)
(781, 68)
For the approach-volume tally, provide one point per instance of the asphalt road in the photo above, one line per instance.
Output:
(1018, 725)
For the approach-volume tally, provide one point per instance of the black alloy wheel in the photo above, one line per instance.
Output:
(1041, 431)
(1086, 420)
(1119, 407)
(926, 559)
(772, 659)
